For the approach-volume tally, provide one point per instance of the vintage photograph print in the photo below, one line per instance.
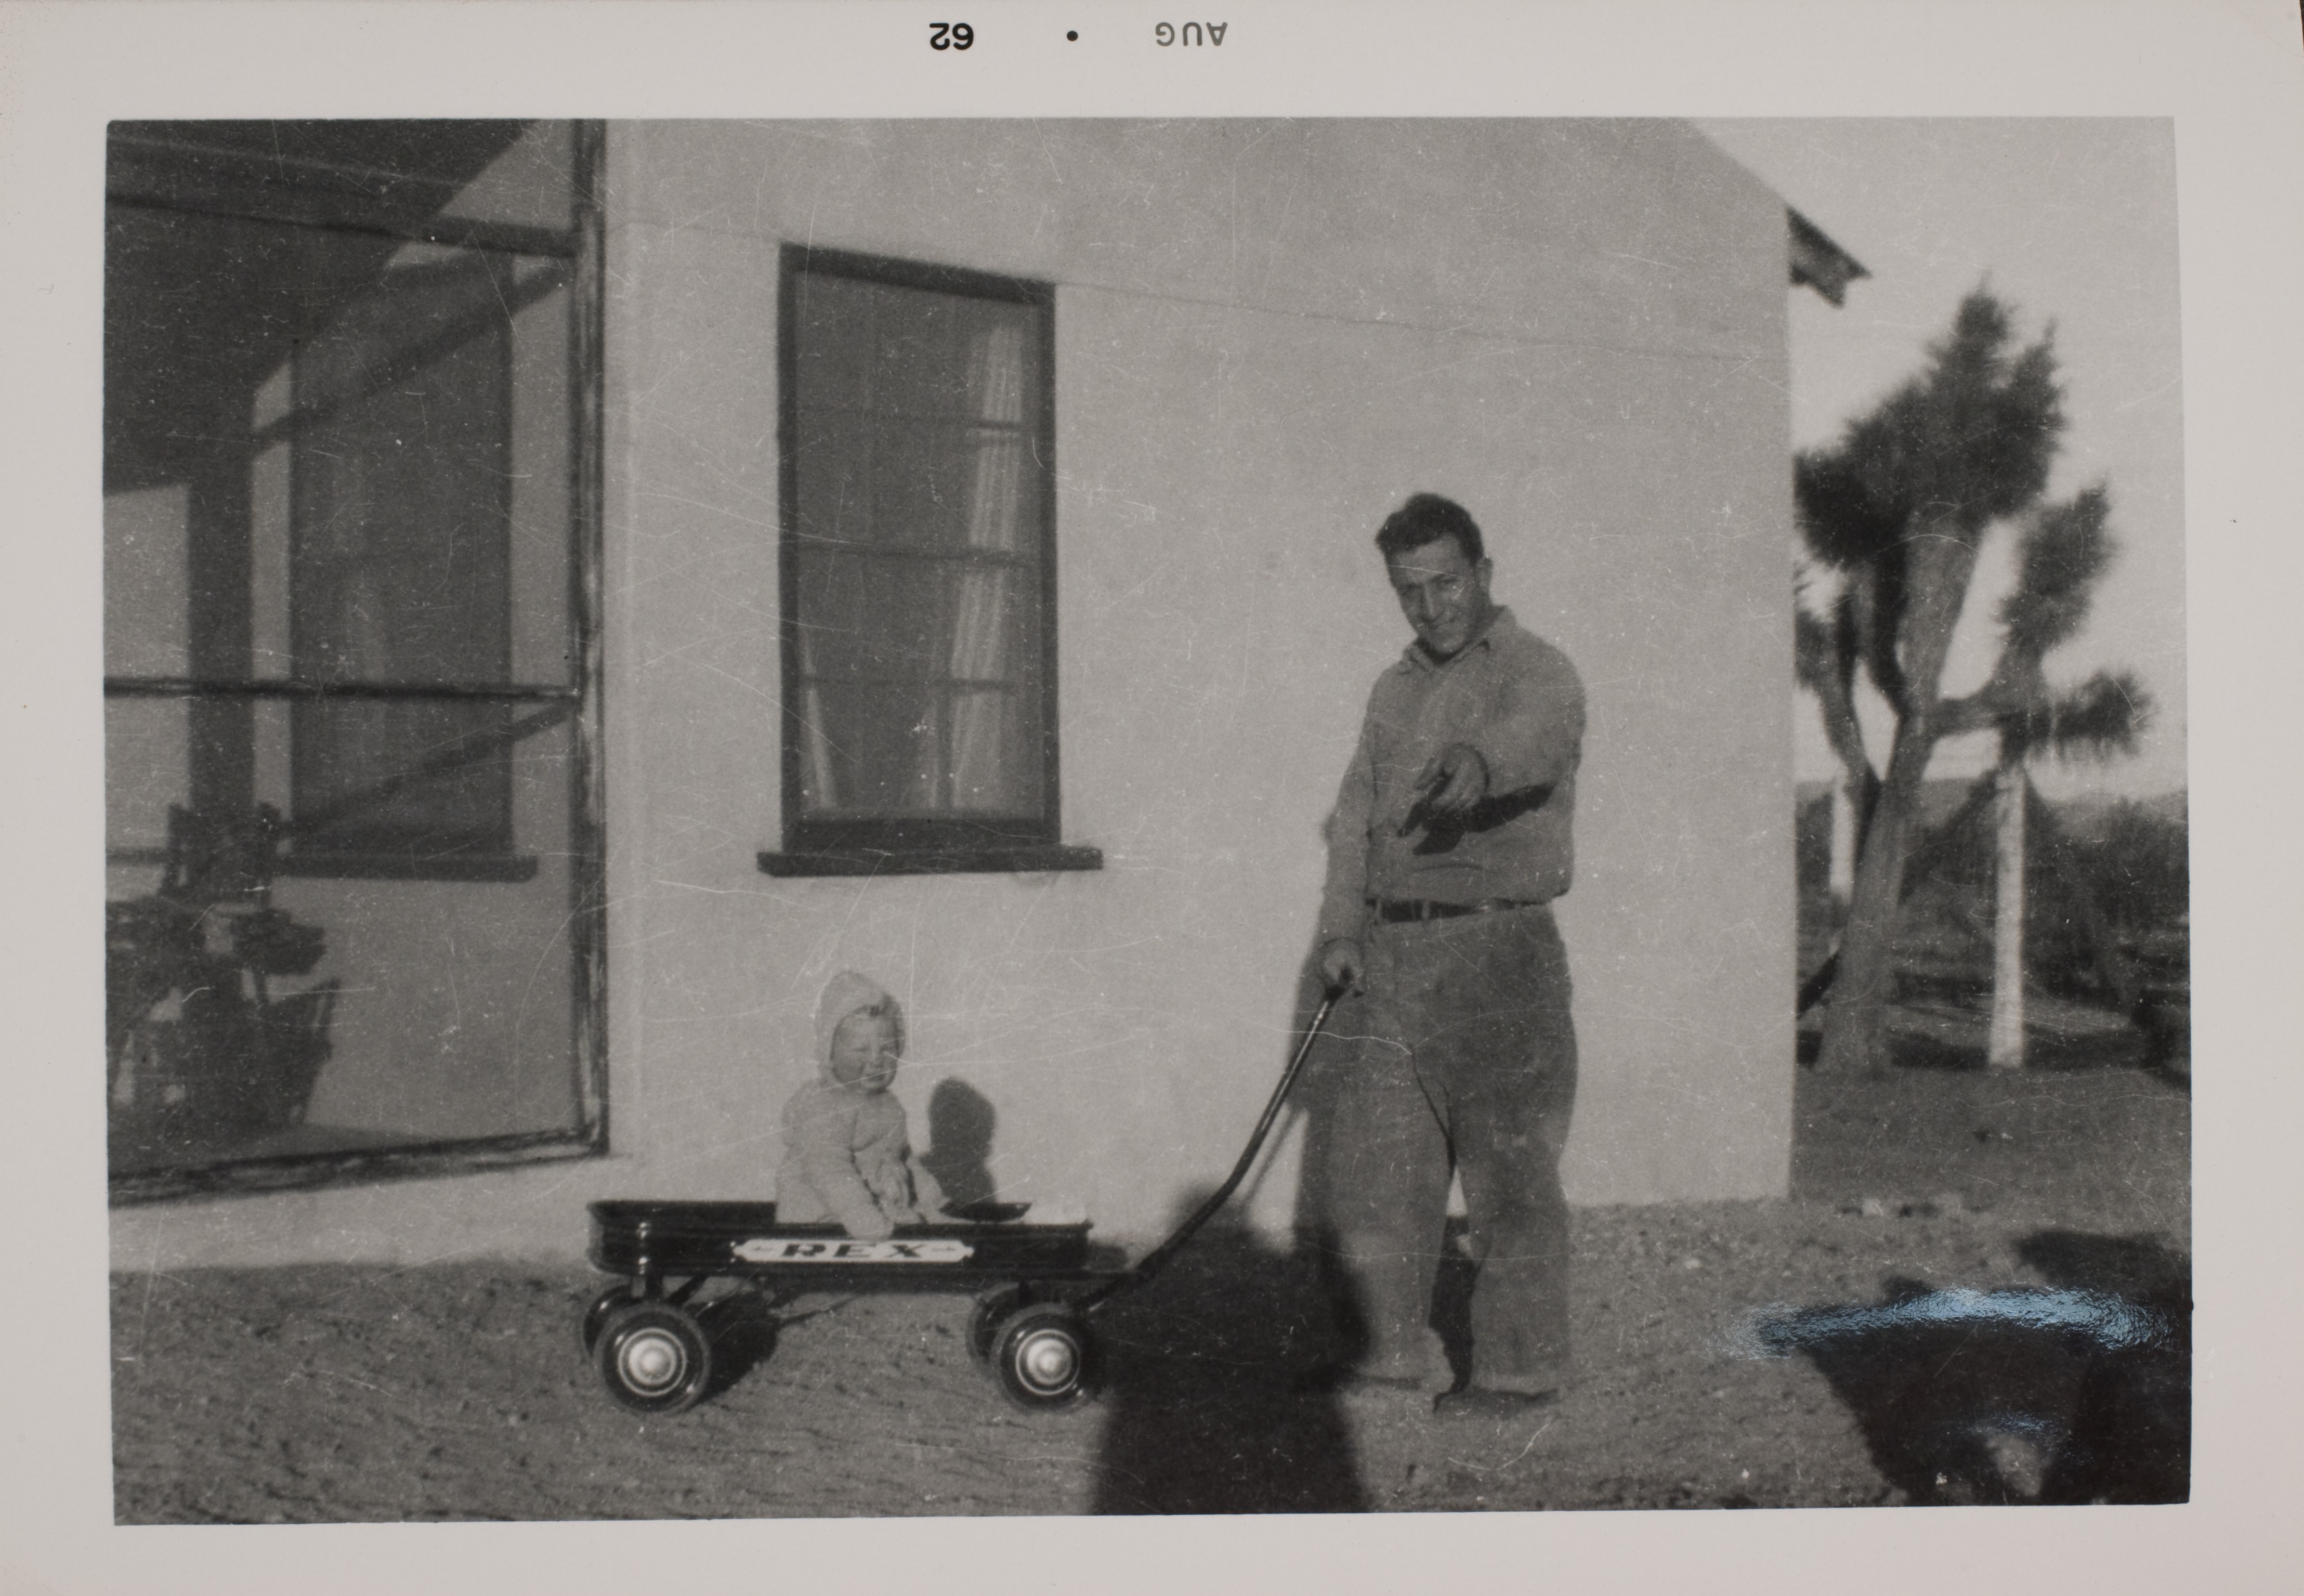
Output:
(815, 818)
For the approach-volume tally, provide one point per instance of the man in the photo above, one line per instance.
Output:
(1449, 841)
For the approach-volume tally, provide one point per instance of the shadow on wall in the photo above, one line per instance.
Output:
(961, 1123)
(2078, 1392)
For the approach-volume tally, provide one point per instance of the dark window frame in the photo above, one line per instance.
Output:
(820, 846)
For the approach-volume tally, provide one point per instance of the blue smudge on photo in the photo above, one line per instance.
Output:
(2113, 1323)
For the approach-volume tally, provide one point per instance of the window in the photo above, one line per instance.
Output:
(399, 530)
(917, 571)
(350, 603)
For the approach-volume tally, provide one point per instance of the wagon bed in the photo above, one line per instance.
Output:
(991, 1246)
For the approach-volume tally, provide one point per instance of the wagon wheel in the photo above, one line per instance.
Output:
(1045, 1358)
(597, 1315)
(985, 1320)
(653, 1357)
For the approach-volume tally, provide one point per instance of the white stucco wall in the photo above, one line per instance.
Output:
(1267, 334)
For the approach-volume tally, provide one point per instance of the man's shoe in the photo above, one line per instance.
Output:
(1485, 1404)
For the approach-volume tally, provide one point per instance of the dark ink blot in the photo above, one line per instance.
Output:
(2079, 1392)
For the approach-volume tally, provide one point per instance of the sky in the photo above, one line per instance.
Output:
(2072, 221)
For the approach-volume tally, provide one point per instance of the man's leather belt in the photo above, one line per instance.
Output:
(1394, 910)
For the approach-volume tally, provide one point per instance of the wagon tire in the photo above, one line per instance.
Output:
(596, 1317)
(986, 1318)
(653, 1357)
(1046, 1359)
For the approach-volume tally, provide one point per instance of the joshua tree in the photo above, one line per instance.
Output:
(1899, 506)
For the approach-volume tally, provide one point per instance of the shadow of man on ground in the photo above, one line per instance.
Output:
(1208, 1410)
(2077, 1393)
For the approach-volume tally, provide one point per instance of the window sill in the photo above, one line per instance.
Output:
(411, 867)
(249, 1174)
(1014, 860)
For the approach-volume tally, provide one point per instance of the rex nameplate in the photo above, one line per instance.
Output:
(780, 1250)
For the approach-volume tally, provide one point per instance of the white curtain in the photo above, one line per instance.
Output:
(820, 783)
(989, 771)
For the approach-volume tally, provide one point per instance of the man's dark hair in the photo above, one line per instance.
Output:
(1426, 518)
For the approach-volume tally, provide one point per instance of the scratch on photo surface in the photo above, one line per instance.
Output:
(1040, 133)
(349, 1379)
(144, 1311)
(1503, 1467)
(2127, 404)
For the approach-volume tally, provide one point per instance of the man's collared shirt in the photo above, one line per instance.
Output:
(1515, 699)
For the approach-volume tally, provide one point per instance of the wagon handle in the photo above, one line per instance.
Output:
(1152, 1262)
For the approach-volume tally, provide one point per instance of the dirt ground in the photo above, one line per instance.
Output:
(457, 1392)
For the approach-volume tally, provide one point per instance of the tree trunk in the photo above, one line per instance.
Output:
(1841, 876)
(1856, 1020)
(2005, 1045)
(1940, 559)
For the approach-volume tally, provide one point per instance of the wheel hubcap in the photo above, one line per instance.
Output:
(1049, 1360)
(652, 1360)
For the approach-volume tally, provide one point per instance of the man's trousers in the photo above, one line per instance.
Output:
(1465, 1062)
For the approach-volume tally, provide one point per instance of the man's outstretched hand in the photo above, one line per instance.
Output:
(1451, 781)
(1341, 965)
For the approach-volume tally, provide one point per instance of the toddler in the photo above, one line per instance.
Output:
(847, 1158)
